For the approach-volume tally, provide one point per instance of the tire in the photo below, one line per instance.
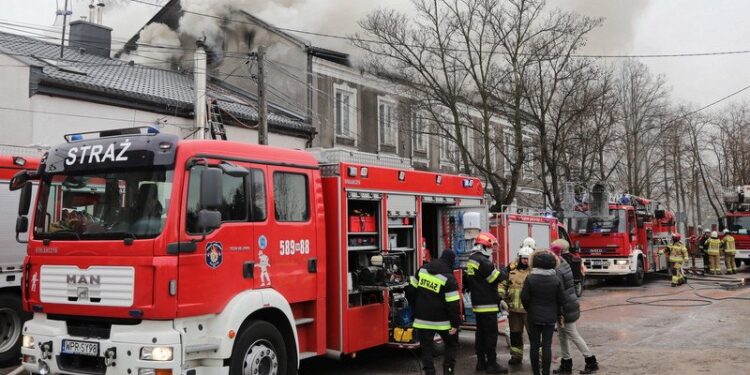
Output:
(738, 263)
(579, 286)
(260, 349)
(636, 279)
(747, 262)
(12, 318)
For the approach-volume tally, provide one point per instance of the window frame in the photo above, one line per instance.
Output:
(384, 138)
(308, 197)
(353, 128)
(418, 119)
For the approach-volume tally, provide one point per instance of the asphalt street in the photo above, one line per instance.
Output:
(664, 330)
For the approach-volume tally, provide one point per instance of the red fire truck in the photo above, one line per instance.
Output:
(618, 235)
(153, 255)
(516, 224)
(737, 220)
(12, 254)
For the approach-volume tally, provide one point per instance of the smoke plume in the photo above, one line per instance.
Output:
(620, 22)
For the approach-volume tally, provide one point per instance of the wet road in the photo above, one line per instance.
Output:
(687, 334)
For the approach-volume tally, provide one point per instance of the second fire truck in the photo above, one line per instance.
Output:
(619, 235)
(737, 220)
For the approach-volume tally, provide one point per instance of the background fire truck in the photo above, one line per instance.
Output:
(619, 235)
(153, 255)
(515, 224)
(12, 253)
(737, 220)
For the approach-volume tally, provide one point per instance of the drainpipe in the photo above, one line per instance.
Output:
(199, 75)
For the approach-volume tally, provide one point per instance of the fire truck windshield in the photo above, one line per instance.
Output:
(615, 223)
(738, 224)
(127, 203)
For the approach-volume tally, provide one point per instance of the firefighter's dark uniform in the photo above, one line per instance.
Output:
(433, 293)
(481, 279)
(727, 243)
(510, 290)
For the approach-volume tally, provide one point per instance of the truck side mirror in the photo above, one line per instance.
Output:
(211, 189)
(639, 221)
(24, 201)
(659, 214)
(19, 180)
(22, 224)
(208, 220)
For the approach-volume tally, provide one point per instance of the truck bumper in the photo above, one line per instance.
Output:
(602, 267)
(119, 349)
(742, 254)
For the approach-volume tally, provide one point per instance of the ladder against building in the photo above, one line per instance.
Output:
(215, 123)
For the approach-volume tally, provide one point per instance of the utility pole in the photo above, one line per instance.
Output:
(65, 23)
(262, 105)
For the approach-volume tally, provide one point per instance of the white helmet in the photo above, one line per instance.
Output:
(529, 242)
(714, 234)
(726, 231)
(525, 252)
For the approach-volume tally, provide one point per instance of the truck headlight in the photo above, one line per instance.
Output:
(621, 262)
(157, 353)
(28, 342)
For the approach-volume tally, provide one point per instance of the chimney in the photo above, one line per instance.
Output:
(91, 11)
(99, 11)
(94, 39)
(199, 77)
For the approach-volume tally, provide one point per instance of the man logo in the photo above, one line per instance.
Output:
(84, 279)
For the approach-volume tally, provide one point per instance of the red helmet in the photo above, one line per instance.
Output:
(486, 239)
(676, 236)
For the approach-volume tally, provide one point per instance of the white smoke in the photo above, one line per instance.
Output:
(616, 36)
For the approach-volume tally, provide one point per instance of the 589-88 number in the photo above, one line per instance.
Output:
(291, 247)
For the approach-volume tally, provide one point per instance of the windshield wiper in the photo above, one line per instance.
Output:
(127, 237)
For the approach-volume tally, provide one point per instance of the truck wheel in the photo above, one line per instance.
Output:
(12, 317)
(579, 285)
(636, 279)
(259, 350)
(747, 262)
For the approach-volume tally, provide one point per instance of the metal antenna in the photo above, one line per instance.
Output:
(65, 13)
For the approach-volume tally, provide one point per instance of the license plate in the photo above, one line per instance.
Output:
(80, 348)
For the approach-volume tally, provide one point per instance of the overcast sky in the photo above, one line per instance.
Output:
(631, 27)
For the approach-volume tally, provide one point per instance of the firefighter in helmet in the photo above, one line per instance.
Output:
(481, 279)
(704, 250)
(529, 242)
(434, 295)
(510, 291)
(678, 255)
(727, 243)
(712, 247)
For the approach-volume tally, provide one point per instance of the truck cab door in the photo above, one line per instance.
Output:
(224, 261)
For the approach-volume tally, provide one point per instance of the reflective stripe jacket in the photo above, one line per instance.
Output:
(510, 288)
(481, 279)
(433, 295)
(728, 244)
(678, 252)
(713, 246)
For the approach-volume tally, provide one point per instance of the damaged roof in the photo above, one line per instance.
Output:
(89, 77)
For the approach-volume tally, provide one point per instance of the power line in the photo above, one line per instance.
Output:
(178, 125)
(353, 39)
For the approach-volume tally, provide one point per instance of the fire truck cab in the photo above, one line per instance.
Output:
(152, 255)
(737, 220)
(618, 235)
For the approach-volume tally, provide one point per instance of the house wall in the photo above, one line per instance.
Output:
(15, 104)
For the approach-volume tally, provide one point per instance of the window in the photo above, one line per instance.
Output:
(447, 148)
(493, 148)
(528, 164)
(387, 122)
(234, 205)
(510, 152)
(290, 195)
(258, 203)
(419, 131)
(345, 111)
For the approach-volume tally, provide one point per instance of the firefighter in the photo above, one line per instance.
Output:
(712, 247)
(510, 291)
(529, 242)
(678, 256)
(727, 244)
(702, 245)
(481, 279)
(433, 293)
